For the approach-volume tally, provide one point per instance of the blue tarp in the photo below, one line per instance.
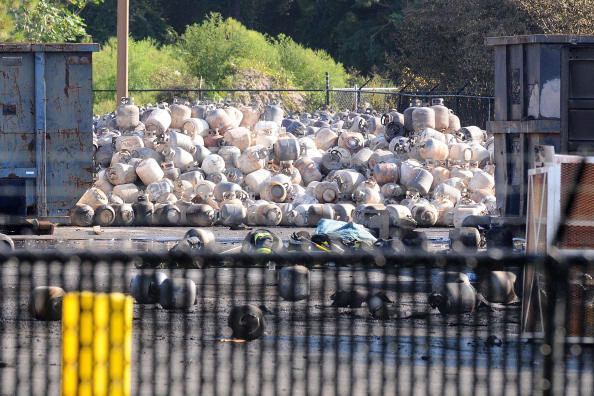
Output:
(344, 230)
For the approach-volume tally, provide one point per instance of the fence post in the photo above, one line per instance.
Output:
(327, 89)
(355, 98)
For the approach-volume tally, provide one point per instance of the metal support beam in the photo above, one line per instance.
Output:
(123, 32)
(40, 134)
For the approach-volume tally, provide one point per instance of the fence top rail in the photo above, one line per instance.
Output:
(378, 91)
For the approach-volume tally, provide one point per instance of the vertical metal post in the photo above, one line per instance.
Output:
(327, 89)
(40, 134)
(123, 31)
(355, 98)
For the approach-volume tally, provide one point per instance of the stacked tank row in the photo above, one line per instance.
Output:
(226, 164)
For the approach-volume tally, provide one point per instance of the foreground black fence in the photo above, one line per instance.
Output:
(356, 324)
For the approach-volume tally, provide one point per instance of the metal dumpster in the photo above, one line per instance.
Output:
(46, 141)
(544, 95)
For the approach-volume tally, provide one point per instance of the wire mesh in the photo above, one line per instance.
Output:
(362, 324)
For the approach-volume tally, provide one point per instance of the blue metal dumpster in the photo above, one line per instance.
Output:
(46, 140)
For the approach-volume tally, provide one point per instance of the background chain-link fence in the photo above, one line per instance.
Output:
(472, 109)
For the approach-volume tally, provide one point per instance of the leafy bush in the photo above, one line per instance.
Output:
(149, 66)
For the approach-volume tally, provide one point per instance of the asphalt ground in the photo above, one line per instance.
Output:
(309, 347)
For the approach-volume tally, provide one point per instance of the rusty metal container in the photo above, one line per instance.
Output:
(46, 141)
(543, 96)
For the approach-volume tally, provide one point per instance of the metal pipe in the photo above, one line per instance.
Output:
(123, 32)
(40, 134)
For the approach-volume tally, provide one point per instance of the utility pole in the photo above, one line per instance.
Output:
(123, 30)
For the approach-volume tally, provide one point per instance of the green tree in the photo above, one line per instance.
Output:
(51, 20)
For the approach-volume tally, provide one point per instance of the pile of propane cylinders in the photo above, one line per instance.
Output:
(224, 164)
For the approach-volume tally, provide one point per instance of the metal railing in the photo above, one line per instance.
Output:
(400, 331)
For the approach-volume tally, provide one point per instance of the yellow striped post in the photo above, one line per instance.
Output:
(96, 344)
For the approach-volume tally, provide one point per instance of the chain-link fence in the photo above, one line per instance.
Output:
(336, 324)
(472, 109)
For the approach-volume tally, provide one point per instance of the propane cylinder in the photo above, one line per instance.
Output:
(230, 154)
(343, 211)
(308, 169)
(93, 197)
(326, 192)
(194, 177)
(473, 133)
(128, 192)
(234, 115)
(219, 119)
(251, 115)
(102, 182)
(201, 215)
(352, 141)
(367, 192)
(81, 215)
(347, 180)
(256, 180)
(446, 191)
(325, 138)
(361, 157)
(392, 191)
(45, 303)
(180, 140)
(179, 113)
(128, 143)
(380, 156)
(158, 121)
(407, 115)
(442, 114)
(104, 216)
(177, 293)
(407, 171)
(319, 211)
(143, 211)
(149, 171)
(429, 133)
(252, 159)
(239, 137)
(498, 287)
(457, 182)
(386, 172)
(273, 112)
(195, 126)
(287, 149)
(460, 152)
(433, 149)
(200, 111)
(264, 214)
(167, 214)
(221, 189)
(234, 175)
(440, 174)
(127, 114)
(293, 173)
(373, 126)
(464, 174)
(204, 189)
(336, 158)
(423, 117)
(400, 215)
(461, 212)
(454, 123)
(445, 212)
(170, 171)
(124, 214)
(145, 287)
(121, 174)
(424, 213)
(266, 137)
(232, 213)
(213, 164)
(421, 181)
(274, 191)
(481, 180)
(183, 190)
(479, 153)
